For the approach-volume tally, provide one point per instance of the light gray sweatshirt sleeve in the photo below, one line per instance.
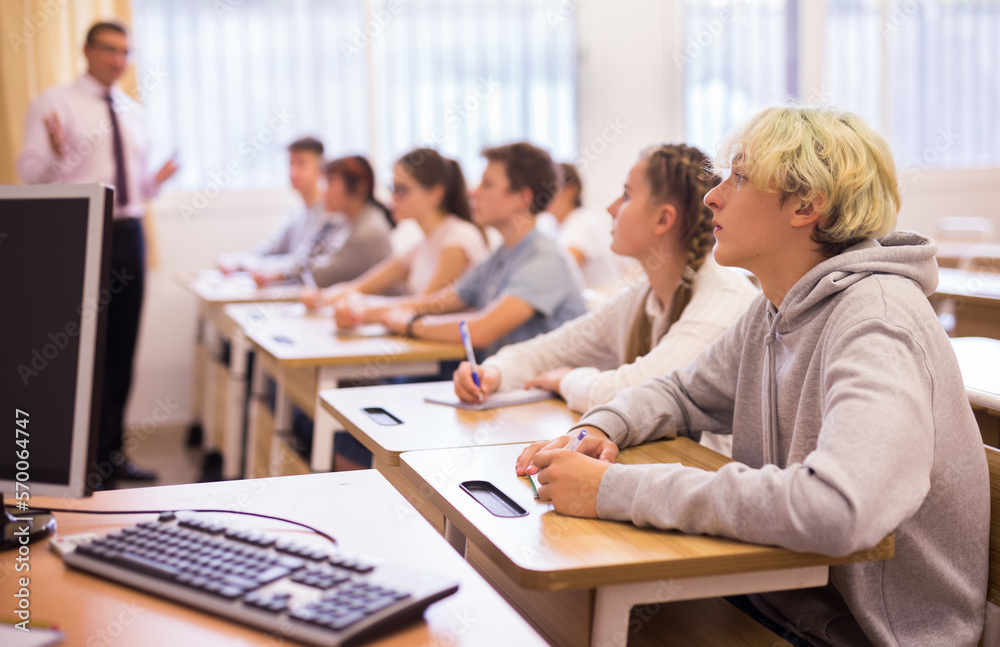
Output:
(366, 246)
(697, 398)
(870, 470)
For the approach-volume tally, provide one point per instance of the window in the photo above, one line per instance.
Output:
(736, 58)
(230, 82)
(459, 75)
(923, 72)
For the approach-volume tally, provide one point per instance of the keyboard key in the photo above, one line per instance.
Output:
(144, 565)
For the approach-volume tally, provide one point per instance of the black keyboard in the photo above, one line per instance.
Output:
(317, 596)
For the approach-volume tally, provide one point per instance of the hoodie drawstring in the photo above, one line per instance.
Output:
(771, 413)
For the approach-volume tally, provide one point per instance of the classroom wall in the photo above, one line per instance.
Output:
(625, 104)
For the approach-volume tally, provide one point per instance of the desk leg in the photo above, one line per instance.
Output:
(325, 425)
(612, 604)
(232, 456)
(198, 377)
(255, 424)
(282, 421)
(212, 346)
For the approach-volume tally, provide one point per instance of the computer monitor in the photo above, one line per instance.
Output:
(55, 244)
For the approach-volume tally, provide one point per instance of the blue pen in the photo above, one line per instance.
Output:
(573, 444)
(463, 331)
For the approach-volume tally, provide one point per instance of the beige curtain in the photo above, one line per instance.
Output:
(42, 47)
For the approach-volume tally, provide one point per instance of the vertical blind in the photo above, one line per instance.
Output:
(734, 60)
(924, 72)
(232, 82)
(460, 75)
(940, 60)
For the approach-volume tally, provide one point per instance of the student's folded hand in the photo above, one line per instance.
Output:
(595, 444)
(465, 387)
(570, 480)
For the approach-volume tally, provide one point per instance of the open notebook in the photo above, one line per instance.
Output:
(502, 399)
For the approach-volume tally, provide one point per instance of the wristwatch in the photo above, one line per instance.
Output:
(414, 319)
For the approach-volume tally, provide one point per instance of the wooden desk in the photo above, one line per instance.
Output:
(359, 508)
(973, 297)
(221, 360)
(576, 579)
(435, 426)
(305, 354)
(979, 359)
(974, 256)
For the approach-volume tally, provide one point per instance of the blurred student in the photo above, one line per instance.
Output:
(305, 170)
(584, 233)
(682, 303)
(526, 287)
(353, 239)
(430, 190)
(847, 407)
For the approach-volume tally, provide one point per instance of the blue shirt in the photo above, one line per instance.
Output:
(536, 271)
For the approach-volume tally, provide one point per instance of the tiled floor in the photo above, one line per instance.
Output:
(164, 450)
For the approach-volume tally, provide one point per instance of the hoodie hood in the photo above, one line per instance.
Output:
(904, 253)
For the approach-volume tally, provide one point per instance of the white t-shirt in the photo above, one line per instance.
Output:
(423, 259)
(590, 232)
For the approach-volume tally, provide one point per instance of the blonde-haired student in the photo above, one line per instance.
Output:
(848, 412)
(682, 303)
(429, 189)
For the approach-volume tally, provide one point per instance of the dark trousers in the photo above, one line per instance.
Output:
(128, 278)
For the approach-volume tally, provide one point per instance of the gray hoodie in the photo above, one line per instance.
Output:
(849, 422)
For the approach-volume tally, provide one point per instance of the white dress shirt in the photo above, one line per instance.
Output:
(89, 158)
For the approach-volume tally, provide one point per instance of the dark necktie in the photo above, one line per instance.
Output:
(121, 184)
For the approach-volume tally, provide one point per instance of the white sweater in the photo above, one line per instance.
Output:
(595, 343)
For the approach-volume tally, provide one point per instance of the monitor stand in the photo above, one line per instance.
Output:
(24, 527)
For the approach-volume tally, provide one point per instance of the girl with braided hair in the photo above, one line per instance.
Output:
(659, 322)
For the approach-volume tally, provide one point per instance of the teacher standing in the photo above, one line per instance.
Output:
(90, 131)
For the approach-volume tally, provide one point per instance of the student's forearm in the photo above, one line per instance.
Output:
(380, 278)
(483, 330)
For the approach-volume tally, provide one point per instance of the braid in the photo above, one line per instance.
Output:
(681, 175)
